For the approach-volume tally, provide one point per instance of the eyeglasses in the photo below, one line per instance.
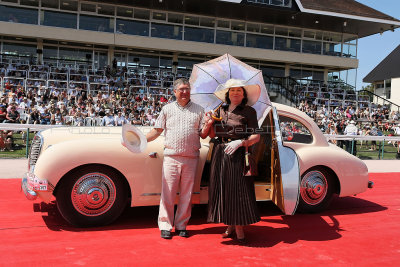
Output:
(183, 90)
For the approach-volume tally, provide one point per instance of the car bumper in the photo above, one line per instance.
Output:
(32, 186)
(30, 194)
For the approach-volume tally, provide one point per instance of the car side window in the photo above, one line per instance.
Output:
(294, 131)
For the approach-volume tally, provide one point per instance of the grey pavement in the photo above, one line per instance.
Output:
(15, 168)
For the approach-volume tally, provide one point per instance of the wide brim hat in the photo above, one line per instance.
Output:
(133, 139)
(352, 122)
(253, 90)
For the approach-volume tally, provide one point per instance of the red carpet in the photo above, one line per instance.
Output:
(358, 231)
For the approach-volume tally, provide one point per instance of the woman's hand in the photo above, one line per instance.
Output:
(232, 146)
(207, 129)
(208, 120)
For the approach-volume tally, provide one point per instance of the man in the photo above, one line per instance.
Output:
(108, 119)
(182, 121)
(12, 116)
(351, 145)
(397, 133)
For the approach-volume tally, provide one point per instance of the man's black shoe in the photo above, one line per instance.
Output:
(166, 234)
(182, 233)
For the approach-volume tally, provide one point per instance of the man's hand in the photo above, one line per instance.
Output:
(153, 134)
(232, 146)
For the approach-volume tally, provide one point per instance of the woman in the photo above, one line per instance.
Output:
(231, 194)
(57, 118)
(3, 113)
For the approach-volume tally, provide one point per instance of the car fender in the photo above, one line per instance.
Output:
(351, 171)
(58, 159)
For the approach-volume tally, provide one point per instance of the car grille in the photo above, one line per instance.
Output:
(36, 147)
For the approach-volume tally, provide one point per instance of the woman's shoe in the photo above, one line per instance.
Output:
(229, 233)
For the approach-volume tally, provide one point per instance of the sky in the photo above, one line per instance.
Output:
(373, 49)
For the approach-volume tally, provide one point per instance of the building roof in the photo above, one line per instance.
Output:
(347, 16)
(349, 7)
(387, 69)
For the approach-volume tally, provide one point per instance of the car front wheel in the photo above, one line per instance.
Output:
(91, 196)
(316, 191)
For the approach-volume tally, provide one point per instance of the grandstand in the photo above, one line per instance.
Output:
(306, 49)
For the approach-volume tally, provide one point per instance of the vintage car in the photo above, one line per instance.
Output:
(93, 176)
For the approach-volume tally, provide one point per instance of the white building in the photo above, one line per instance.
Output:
(385, 78)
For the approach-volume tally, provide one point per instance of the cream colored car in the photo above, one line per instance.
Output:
(93, 177)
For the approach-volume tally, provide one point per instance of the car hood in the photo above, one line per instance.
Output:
(62, 134)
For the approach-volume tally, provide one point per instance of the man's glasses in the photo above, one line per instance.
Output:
(183, 90)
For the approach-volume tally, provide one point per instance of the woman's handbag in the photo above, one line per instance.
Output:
(250, 166)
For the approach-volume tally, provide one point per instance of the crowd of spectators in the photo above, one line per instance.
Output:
(60, 96)
(349, 120)
(115, 96)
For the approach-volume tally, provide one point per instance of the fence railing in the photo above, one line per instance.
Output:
(354, 145)
(381, 146)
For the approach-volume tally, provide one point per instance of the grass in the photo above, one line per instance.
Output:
(19, 147)
(389, 151)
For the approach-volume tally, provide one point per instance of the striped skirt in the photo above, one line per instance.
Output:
(232, 199)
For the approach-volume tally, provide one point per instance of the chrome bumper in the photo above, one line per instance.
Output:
(370, 184)
(31, 185)
(30, 194)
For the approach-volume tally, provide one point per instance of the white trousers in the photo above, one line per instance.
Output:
(177, 173)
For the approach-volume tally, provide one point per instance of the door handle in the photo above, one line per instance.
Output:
(153, 155)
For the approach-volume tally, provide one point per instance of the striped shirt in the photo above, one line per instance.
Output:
(181, 128)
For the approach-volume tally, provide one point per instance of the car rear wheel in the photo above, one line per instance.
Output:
(317, 188)
(91, 196)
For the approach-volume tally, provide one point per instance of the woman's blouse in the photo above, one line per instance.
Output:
(238, 124)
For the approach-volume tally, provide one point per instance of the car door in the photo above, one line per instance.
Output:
(285, 173)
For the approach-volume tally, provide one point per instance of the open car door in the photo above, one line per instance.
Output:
(285, 172)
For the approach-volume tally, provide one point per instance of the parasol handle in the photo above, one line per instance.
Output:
(214, 111)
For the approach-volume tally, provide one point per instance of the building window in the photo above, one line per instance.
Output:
(133, 27)
(29, 2)
(312, 47)
(166, 31)
(259, 41)
(69, 5)
(86, 7)
(160, 16)
(175, 18)
(125, 12)
(18, 15)
(273, 71)
(50, 52)
(287, 44)
(141, 14)
(332, 49)
(50, 3)
(93, 23)
(282, 3)
(106, 10)
(58, 19)
(19, 49)
(230, 38)
(143, 60)
(199, 34)
(349, 50)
